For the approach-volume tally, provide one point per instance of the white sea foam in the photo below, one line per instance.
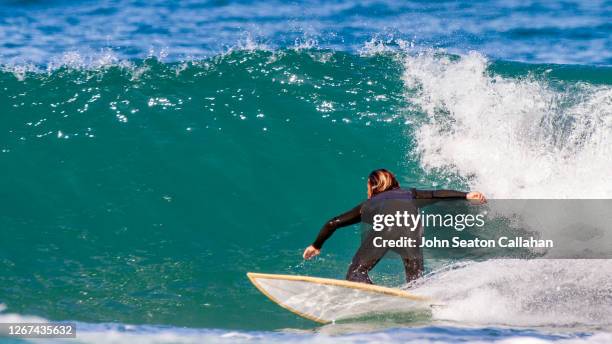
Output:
(518, 138)
(549, 293)
(511, 137)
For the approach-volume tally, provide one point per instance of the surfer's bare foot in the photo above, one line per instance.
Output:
(310, 252)
(476, 197)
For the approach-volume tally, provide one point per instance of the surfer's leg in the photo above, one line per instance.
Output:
(366, 257)
(358, 271)
(412, 257)
(413, 267)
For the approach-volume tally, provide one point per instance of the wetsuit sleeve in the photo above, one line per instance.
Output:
(351, 217)
(437, 194)
(429, 197)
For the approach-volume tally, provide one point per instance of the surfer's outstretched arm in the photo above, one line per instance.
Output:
(439, 195)
(348, 218)
(433, 194)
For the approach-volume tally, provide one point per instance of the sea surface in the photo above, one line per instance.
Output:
(153, 152)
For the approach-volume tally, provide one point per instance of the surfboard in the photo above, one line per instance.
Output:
(326, 300)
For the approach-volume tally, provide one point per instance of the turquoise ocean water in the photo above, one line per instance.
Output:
(153, 153)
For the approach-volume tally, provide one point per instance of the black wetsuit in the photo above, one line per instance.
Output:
(367, 256)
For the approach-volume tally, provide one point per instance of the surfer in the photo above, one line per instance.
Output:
(385, 194)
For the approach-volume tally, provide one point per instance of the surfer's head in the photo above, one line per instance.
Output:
(381, 180)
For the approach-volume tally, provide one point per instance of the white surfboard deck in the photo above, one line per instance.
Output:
(327, 300)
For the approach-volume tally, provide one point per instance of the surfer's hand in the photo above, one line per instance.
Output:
(310, 252)
(476, 197)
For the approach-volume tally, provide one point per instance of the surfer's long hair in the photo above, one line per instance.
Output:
(381, 180)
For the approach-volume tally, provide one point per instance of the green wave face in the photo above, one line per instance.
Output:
(142, 192)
